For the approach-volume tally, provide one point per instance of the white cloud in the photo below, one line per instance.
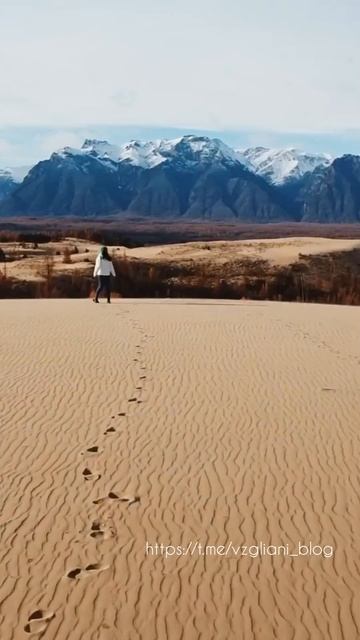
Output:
(267, 65)
(6, 147)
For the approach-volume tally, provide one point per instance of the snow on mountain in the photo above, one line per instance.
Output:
(279, 165)
(192, 177)
(101, 148)
(275, 165)
(187, 149)
(198, 149)
(141, 154)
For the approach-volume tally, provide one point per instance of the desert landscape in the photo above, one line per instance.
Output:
(226, 424)
(25, 260)
(181, 459)
(298, 268)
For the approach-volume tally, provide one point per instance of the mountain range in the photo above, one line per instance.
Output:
(192, 177)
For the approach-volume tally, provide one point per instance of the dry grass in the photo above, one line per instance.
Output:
(329, 278)
(293, 269)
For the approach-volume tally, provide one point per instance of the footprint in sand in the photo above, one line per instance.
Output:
(113, 496)
(91, 450)
(73, 574)
(109, 430)
(78, 573)
(110, 496)
(89, 475)
(95, 568)
(38, 621)
(99, 531)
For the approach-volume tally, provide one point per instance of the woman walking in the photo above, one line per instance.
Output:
(103, 269)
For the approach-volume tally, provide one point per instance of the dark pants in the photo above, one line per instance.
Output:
(103, 283)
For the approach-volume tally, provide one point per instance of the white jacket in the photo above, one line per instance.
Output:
(103, 267)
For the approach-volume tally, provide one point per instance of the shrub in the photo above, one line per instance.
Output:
(66, 256)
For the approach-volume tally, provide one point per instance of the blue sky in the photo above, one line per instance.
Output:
(279, 73)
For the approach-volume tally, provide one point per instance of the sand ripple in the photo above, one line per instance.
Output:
(176, 423)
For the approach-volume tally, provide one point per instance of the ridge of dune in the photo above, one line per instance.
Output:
(176, 422)
(28, 263)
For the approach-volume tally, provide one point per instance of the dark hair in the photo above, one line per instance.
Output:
(105, 254)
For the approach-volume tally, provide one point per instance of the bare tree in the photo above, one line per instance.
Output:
(46, 271)
(67, 256)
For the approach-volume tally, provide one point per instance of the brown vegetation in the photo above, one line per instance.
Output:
(66, 256)
(329, 278)
(136, 231)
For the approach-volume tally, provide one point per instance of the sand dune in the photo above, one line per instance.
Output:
(280, 251)
(178, 422)
(28, 263)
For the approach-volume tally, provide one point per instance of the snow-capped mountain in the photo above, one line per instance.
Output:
(192, 177)
(140, 154)
(280, 165)
(198, 150)
(275, 165)
(188, 150)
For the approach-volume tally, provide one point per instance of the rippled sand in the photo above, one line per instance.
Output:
(177, 423)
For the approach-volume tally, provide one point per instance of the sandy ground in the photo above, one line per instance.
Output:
(278, 251)
(240, 425)
(281, 251)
